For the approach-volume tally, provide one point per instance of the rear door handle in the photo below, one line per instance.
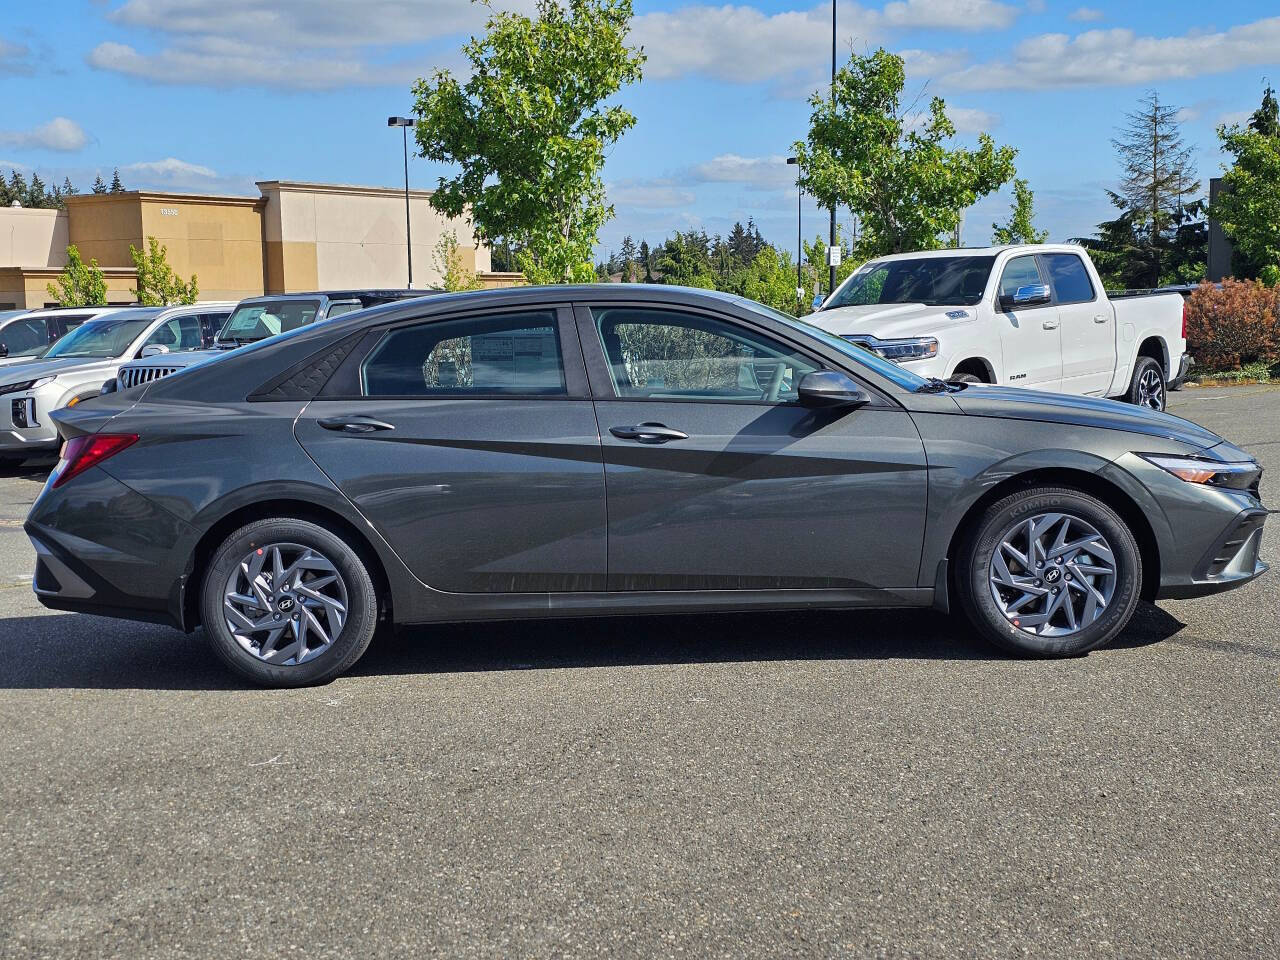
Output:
(1100, 318)
(1050, 324)
(356, 424)
(648, 433)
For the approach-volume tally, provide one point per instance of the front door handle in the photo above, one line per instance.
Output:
(356, 424)
(1050, 324)
(1100, 318)
(648, 433)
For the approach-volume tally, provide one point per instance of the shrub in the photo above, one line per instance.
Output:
(1233, 326)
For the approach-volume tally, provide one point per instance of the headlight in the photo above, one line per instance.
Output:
(26, 385)
(1213, 473)
(899, 351)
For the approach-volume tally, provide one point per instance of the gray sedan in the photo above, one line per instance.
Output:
(617, 449)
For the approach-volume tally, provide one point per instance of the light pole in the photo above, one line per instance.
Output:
(799, 232)
(404, 123)
(831, 248)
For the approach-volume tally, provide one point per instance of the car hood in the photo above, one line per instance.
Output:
(170, 360)
(1019, 404)
(45, 367)
(887, 321)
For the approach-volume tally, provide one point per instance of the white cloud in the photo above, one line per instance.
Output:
(1120, 57)
(58, 134)
(759, 173)
(1086, 14)
(1234, 117)
(927, 64)
(657, 194)
(171, 167)
(15, 58)
(965, 119)
(950, 14)
(172, 173)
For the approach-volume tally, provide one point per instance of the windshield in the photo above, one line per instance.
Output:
(265, 318)
(108, 337)
(886, 368)
(933, 281)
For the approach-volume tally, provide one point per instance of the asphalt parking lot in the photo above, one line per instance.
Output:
(785, 785)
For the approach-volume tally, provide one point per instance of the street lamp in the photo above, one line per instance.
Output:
(831, 257)
(799, 231)
(404, 123)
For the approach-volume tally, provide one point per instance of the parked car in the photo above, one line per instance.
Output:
(26, 335)
(258, 318)
(617, 449)
(75, 367)
(1026, 316)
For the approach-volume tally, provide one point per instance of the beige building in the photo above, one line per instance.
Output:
(294, 237)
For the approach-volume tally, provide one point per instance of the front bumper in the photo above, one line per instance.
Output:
(1232, 561)
(25, 425)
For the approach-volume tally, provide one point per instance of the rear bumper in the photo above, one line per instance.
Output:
(1181, 373)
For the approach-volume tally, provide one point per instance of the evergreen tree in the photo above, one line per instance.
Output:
(646, 260)
(36, 196)
(17, 188)
(68, 189)
(98, 185)
(116, 185)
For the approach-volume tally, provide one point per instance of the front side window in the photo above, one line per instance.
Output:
(1070, 280)
(257, 321)
(515, 353)
(178, 334)
(25, 337)
(660, 354)
(933, 281)
(1018, 272)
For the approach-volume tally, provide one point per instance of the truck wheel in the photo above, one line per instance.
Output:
(964, 378)
(1147, 388)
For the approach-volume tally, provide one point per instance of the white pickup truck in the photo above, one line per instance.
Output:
(1024, 316)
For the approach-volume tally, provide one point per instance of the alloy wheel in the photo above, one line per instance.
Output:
(1052, 575)
(1151, 389)
(285, 603)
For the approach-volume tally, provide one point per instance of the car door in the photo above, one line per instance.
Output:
(1030, 337)
(1088, 326)
(470, 443)
(717, 478)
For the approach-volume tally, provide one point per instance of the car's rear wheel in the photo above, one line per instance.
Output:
(288, 603)
(1050, 572)
(1147, 386)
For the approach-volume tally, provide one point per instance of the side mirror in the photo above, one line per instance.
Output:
(111, 386)
(154, 349)
(1032, 295)
(817, 301)
(4, 349)
(830, 388)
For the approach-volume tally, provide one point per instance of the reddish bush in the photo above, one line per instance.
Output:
(1235, 325)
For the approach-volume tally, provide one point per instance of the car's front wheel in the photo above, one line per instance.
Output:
(288, 603)
(1050, 572)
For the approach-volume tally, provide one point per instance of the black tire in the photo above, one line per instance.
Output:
(361, 607)
(965, 378)
(1148, 376)
(973, 584)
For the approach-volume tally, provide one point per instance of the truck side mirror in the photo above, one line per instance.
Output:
(817, 301)
(4, 349)
(1031, 295)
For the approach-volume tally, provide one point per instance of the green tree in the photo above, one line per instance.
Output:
(1021, 226)
(1248, 207)
(116, 185)
(906, 187)
(530, 128)
(98, 185)
(455, 275)
(646, 260)
(80, 284)
(158, 285)
(684, 259)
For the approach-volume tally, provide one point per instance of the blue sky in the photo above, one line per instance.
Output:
(211, 95)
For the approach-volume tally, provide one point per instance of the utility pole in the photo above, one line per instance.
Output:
(831, 256)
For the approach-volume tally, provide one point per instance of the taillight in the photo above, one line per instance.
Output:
(1184, 319)
(81, 453)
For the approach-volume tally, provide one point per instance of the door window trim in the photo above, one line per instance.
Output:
(344, 383)
(601, 379)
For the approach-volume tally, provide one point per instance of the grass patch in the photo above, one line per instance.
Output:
(1257, 372)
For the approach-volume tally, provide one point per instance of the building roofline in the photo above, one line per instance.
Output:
(304, 186)
(163, 195)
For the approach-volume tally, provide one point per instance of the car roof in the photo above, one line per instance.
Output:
(388, 294)
(98, 310)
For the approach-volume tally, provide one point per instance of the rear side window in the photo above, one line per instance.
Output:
(515, 353)
(25, 336)
(1069, 278)
(343, 307)
(1018, 272)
